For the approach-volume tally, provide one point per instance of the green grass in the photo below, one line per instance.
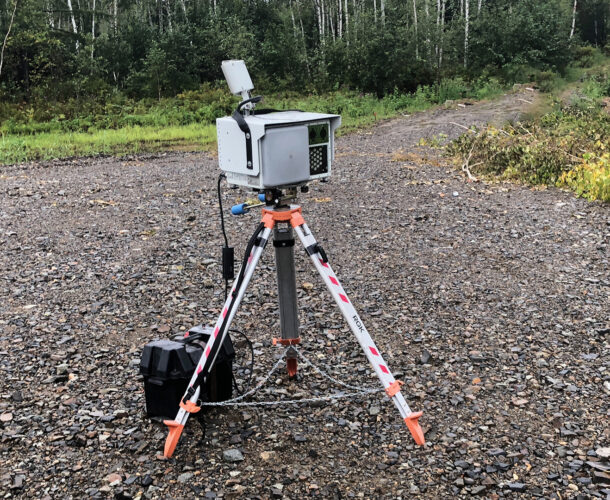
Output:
(120, 126)
(51, 145)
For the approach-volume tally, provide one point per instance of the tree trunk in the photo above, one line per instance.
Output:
(375, 10)
(323, 17)
(319, 16)
(186, 17)
(73, 20)
(466, 26)
(347, 21)
(573, 19)
(294, 24)
(115, 16)
(479, 7)
(415, 24)
(440, 50)
(92, 29)
(169, 16)
(8, 32)
(438, 25)
(340, 18)
(382, 5)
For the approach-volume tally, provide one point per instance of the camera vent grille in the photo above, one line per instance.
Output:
(318, 160)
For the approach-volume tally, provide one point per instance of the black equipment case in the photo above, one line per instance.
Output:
(168, 365)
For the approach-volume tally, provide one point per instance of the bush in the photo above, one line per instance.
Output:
(567, 147)
(546, 80)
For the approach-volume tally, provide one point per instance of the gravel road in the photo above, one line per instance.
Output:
(490, 301)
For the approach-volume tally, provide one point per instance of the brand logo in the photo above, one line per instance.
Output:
(358, 323)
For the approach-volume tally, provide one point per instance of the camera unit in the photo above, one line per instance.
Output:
(268, 148)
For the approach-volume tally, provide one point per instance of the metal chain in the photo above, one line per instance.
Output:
(359, 391)
(331, 378)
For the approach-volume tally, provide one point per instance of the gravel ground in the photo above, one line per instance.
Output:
(489, 300)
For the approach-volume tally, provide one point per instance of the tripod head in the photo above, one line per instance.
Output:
(271, 198)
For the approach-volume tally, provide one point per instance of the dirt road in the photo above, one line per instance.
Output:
(490, 301)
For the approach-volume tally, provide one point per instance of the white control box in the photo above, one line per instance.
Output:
(287, 148)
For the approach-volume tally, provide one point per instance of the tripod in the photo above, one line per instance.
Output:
(290, 217)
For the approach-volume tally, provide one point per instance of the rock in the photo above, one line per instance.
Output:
(17, 482)
(518, 487)
(462, 464)
(185, 477)
(232, 455)
(267, 455)
(601, 477)
(146, 480)
(61, 369)
(6, 417)
(496, 452)
(114, 479)
(603, 452)
(478, 490)
(425, 357)
(374, 410)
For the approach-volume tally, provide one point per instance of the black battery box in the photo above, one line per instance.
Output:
(168, 365)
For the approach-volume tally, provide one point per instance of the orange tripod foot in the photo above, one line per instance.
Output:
(175, 429)
(412, 422)
(291, 366)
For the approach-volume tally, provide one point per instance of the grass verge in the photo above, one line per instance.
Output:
(121, 126)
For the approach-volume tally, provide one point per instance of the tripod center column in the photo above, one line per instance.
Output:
(283, 241)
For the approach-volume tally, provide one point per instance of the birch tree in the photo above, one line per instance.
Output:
(466, 26)
(8, 32)
(415, 25)
(74, 28)
(573, 19)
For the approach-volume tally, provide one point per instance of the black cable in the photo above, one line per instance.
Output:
(254, 100)
(222, 217)
(222, 226)
(240, 279)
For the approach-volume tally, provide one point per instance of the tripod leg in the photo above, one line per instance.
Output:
(391, 385)
(226, 316)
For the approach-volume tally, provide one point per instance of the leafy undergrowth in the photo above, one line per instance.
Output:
(568, 147)
(119, 125)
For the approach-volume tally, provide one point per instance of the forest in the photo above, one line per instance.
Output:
(53, 50)
(89, 77)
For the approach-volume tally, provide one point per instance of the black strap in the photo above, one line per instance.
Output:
(317, 248)
(243, 125)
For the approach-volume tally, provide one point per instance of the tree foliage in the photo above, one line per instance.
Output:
(61, 49)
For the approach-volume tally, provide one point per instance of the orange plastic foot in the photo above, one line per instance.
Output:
(412, 422)
(291, 366)
(175, 429)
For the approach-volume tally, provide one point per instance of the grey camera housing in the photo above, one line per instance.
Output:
(289, 148)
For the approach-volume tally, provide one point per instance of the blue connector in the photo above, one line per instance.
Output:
(261, 197)
(240, 209)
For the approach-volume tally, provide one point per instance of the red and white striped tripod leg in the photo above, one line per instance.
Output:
(391, 385)
(177, 425)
